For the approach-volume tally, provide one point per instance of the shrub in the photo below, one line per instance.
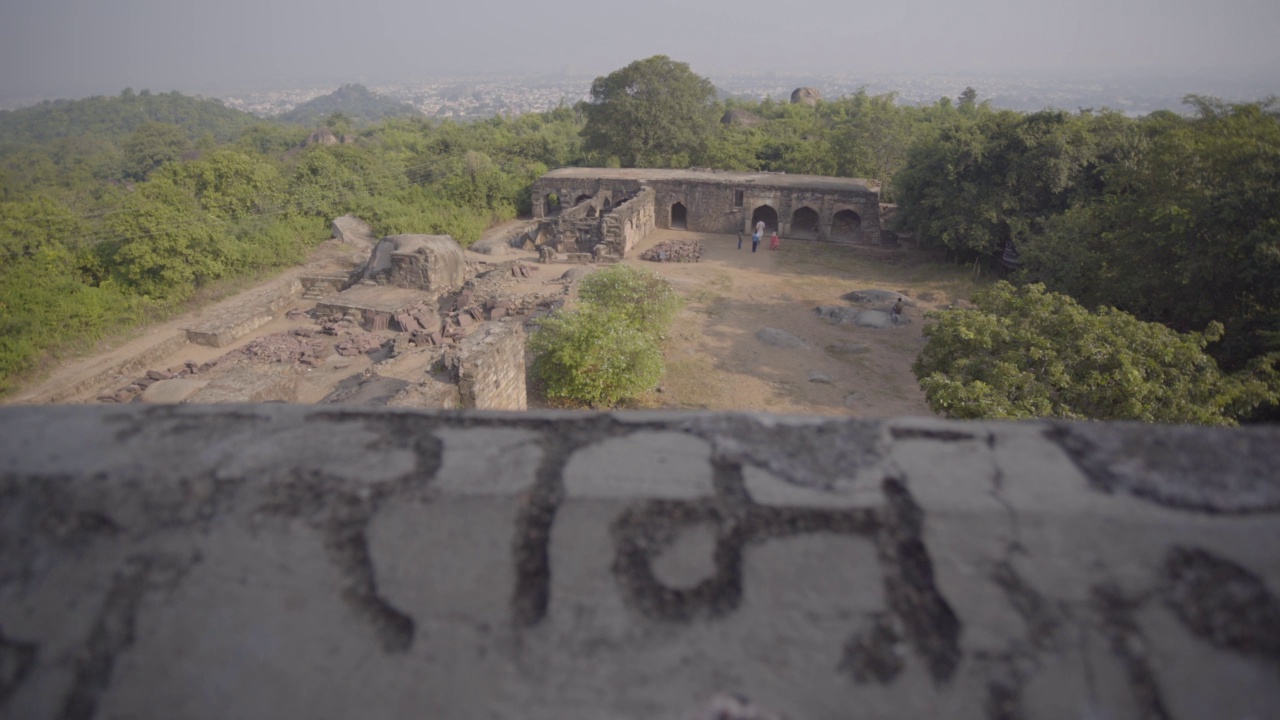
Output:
(594, 355)
(644, 298)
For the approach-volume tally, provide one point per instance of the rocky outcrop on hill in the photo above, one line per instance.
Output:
(741, 118)
(806, 96)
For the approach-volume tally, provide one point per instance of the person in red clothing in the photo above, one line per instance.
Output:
(774, 244)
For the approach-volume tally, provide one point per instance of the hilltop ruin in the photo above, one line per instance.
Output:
(600, 214)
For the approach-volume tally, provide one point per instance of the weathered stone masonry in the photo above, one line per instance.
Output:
(318, 562)
(797, 206)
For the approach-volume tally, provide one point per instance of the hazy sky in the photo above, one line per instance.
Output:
(76, 47)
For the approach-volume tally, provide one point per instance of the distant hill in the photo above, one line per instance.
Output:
(117, 117)
(355, 101)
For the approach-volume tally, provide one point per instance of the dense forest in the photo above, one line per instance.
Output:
(114, 209)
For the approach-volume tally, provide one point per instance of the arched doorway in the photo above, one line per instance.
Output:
(846, 226)
(804, 223)
(679, 217)
(768, 215)
(552, 205)
(604, 207)
(581, 199)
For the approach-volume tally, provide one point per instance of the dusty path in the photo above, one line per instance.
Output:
(715, 361)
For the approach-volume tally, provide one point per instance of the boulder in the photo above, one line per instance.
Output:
(323, 136)
(838, 314)
(780, 338)
(840, 349)
(867, 297)
(741, 118)
(874, 319)
(574, 274)
(354, 231)
(820, 378)
(805, 96)
(492, 246)
(171, 391)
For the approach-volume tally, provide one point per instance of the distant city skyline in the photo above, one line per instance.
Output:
(72, 48)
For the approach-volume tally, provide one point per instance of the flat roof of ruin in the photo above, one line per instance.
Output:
(725, 177)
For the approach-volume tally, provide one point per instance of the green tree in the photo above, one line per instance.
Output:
(151, 146)
(1028, 353)
(651, 113)
(1185, 231)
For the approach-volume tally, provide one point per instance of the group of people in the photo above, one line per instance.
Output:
(774, 243)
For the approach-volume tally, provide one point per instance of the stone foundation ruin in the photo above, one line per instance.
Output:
(599, 214)
(437, 331)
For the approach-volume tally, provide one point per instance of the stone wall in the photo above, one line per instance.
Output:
(251, 311)
(315, 562)
(711, 198)
(488, 367)
(434, 263)
(628, 223)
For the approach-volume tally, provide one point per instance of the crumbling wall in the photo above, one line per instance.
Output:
(628, 223)
(432, 263)
(489, 368)
(339, 562)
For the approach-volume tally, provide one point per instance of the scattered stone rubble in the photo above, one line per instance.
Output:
(299, 346)
(129, 392)
(674, 251)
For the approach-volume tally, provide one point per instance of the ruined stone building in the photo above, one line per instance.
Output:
(605, 211)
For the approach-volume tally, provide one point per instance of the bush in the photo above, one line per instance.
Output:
(594, 355)
(644, 298)
(608, 349)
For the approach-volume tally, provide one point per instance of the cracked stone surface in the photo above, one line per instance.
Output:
(298, 562)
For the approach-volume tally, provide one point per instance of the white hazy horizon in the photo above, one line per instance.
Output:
(56, 48)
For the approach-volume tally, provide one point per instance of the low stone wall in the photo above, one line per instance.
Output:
(629, 223)
(315, 287)
(251, 311)
(307, 562)
(489, 368)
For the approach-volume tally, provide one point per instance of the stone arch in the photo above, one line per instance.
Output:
(768, 215)
(804, 222)
(846, 226)
(581, 199)
(552, 204)
(679, 217)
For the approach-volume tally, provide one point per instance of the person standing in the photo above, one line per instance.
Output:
(760, 229)
(755, 242)
(774, 243)
(739, 239)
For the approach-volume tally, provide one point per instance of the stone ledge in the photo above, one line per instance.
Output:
(301, 561)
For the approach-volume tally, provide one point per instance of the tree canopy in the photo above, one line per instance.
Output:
(1027, 353)
(652, 113)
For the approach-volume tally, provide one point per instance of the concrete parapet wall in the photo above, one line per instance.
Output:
(315, 562)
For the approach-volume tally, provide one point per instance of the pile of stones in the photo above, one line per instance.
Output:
(358, 343)
(131, 391)
(299, 346)
(674, 251)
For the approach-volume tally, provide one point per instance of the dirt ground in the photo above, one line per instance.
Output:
(714, 359)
